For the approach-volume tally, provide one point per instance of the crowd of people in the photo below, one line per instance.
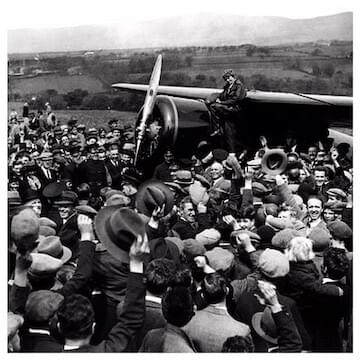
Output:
(215, 253)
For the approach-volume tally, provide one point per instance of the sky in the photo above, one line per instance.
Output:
(45, 13)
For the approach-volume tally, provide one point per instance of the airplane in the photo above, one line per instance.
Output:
(185, 118)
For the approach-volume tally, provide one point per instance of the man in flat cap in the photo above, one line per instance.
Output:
(225, 106)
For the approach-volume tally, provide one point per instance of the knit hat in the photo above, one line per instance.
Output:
(177, 241)
(266, 233)
(161, 248)
(253, 236)
(193, 247)
(320, 237)
(208, 237)
(44, 221)
(47, 231)
(337, 192)
(220, 155)
(340, 230)
(282, 238)
(220, 259)
(198, 193)
(273, 263)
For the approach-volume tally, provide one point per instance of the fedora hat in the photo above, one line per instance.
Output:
(86, 210)
(54, 189)
(25, 230)
(264, 325)
(46, 155)
(151, 194)
(274, 162)
(66, 198)
(117, 228)
(52, 246)
(43, 264)
(183, 177)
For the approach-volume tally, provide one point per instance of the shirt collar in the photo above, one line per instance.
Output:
(39, 331)
(71, 347)
(153, 298)
(328, 280)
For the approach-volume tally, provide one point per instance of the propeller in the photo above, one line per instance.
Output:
(148, 104)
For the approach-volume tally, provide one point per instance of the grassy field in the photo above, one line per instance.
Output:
(61, 83)
(90, 118)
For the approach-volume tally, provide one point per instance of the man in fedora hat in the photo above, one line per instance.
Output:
(275, 324)
(162, 171)
(45, 172)
(122, 232)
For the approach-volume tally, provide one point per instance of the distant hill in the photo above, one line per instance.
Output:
(194, 30)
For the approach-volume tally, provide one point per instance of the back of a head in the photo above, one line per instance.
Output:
(336, 263)
(41, 306)
(300, 249)
(238, 344)
(159, 274)
(214, 288)
(83, 191)
(177, 306)
(76, 317)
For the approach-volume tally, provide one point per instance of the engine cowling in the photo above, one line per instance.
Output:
(183, 122)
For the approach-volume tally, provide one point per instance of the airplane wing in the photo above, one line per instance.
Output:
(254, 96)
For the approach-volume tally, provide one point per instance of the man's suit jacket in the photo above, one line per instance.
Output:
(44, 180)
(170, 339)
(210, 327)
(115, 173)
(222, 184)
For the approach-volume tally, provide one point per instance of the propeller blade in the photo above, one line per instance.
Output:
(148, 103)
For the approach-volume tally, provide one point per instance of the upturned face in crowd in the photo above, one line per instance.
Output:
(65, 141)
(116, 134)
(302, 175)
(229, 79)
(65, 211)
(125, 158)
(245, 223)
(285, 214)
(24, 160)
(168, 157)
(312, 152)
(129, 189)
(314, 207)
(13, 186)
(320, 177)
(93, 155)
(320, 158)
(188, 213)
(47, 163)
(114, 154)
(154, 130)
(329, 215)
(17, 169)
(216, 170)
(36, 206)
(76, 157)
(102, 155)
